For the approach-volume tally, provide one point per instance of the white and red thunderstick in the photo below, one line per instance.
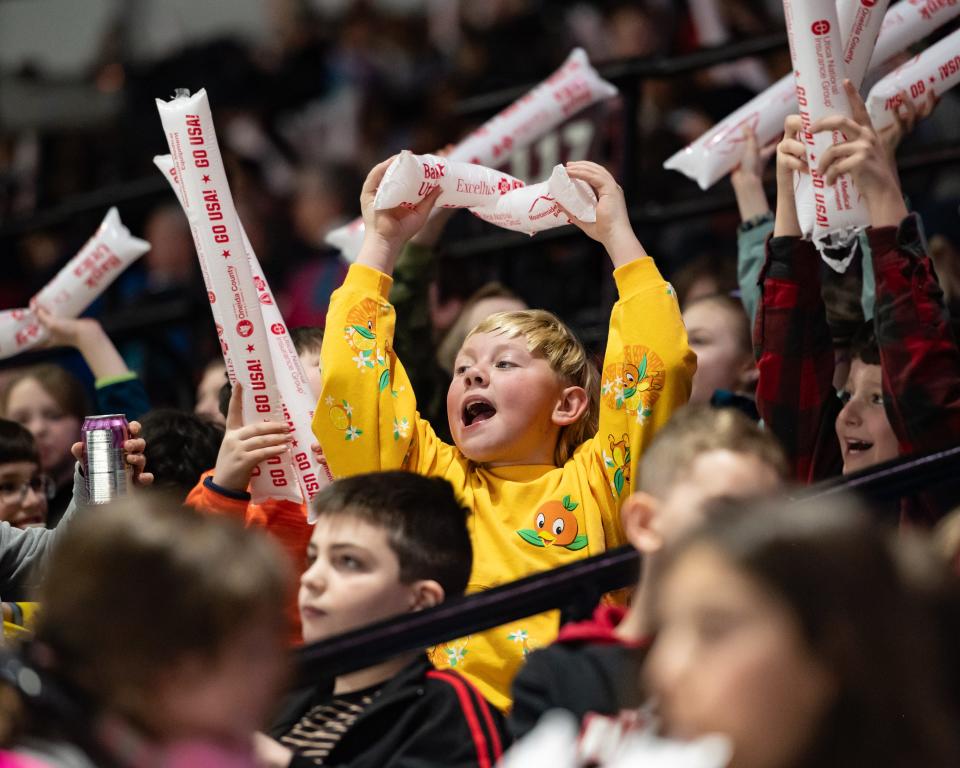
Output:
(935, 71)
(829, 215)
(571, 89)
(75, 287)
(296, 395)
(206, 199)
(717, 152)
(860, 25)
(493, 196)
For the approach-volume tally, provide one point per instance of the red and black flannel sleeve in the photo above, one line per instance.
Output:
(918, 352)
(792, 343)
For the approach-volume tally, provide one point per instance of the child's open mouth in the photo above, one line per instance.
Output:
(858, 446)
(476, 411)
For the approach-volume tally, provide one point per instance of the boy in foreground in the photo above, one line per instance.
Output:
(384, 544)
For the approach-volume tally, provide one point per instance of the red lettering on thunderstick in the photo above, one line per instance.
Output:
(950, 68)
(257, 377)
(194, 131)
(434, 172)
(211, 201)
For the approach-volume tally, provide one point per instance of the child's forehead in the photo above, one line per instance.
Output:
(25, 468)
(348, 528)
(863, 374)
(505, 338)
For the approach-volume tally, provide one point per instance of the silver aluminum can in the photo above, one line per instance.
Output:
(105, 463)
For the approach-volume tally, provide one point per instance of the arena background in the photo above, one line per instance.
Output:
(308, 94)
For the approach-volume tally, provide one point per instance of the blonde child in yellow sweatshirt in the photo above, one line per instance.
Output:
(543, 452)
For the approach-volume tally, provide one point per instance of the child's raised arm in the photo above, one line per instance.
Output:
(756, 219)
(612, 228)
(388, 231)
(366, 417)
(795, 394)
(648, 365)
(118, 389)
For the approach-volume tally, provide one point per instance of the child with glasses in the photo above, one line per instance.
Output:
(24, 489)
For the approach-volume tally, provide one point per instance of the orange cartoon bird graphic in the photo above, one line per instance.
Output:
(555, 525)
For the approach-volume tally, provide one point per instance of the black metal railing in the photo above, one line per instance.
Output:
(580, 583)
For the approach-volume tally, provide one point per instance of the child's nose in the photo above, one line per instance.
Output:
(850, 413)
(474, 376)
(31, 499)
(313, 579)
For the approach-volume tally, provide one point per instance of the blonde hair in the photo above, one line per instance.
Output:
(698, 429)
(549, 338)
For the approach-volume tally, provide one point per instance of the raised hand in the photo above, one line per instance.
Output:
(791, 157)
(864, 157)
(612, 228)
(66, 331)
(244, 447)
(388, 231)
(906, 118)
(747, 178)
(87, 336)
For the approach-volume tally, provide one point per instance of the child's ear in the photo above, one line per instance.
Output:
(639, 517)
(571, 406)
(425, 593)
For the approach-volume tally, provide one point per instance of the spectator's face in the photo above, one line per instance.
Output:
(23, 497)
(310, 360)
(208, 395)
(730, 658)
(225, 698)
(353, 578)
(54, 430)
(724, 360)
(502, 402)
(863, 429)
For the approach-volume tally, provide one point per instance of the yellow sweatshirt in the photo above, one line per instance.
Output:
(367, 420)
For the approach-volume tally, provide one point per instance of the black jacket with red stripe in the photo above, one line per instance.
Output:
(422, 717)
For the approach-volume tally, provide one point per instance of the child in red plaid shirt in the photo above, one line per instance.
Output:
(903, 392)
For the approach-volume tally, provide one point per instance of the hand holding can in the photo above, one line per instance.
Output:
(130, 450)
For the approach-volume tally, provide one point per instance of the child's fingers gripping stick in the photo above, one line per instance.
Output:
(245, 446)
(791, 152)
(791, 160)
(861, 155)
(612, 220)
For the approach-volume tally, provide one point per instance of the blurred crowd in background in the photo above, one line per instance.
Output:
(311, 94)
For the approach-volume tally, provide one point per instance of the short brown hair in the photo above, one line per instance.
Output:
(698, 429)
(425, 522)
(135, 586)
(307, 338)
(547, 336)
(16, 443)
(57, 382)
